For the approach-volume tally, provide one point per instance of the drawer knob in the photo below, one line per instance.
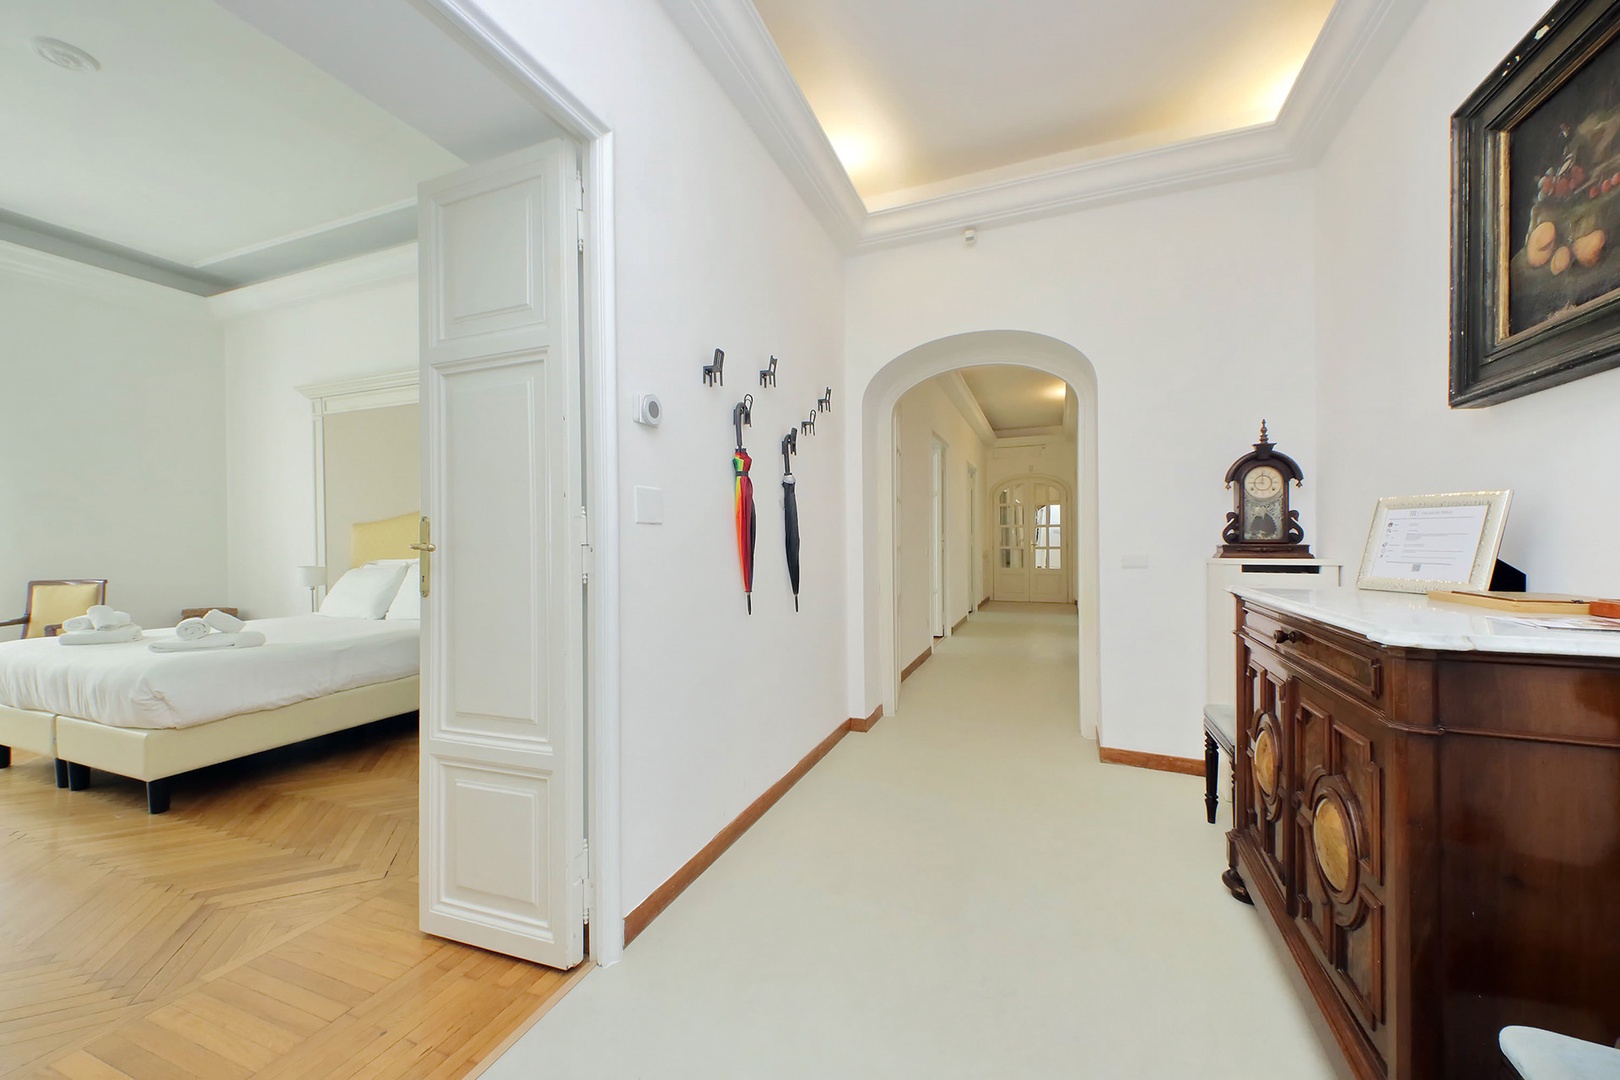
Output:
(1285, 637)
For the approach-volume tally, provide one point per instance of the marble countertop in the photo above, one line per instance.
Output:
(1411, 620)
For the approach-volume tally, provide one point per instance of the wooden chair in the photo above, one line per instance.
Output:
(52, 603)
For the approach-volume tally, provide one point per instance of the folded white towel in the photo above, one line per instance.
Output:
(103, 617)
(225, 624)
(247, 639)
(190, 629)
(116, 636)
(79, 622)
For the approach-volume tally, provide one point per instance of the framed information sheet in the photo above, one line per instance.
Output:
(1420, 543)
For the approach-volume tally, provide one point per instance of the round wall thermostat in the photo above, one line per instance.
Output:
(649, 410)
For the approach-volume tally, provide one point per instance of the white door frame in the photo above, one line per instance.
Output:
(939, 614)
(975, 560)
(599, 357)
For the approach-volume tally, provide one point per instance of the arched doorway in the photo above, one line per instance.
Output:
(875, 665)
(1031, 541)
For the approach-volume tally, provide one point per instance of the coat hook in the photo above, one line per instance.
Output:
(716, 371)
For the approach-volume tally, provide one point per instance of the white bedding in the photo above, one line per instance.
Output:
(128, 685)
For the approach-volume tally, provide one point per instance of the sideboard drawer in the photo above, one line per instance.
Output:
(1341, 661)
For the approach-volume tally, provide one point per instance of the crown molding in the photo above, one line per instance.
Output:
(40, 266)
(961, 395)
(392, 264)
(731, 39)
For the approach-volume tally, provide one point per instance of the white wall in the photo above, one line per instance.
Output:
(110, 395)
(1197, 312)
(1383, 272)
(923, 414)
(270, 351)
(714, 249)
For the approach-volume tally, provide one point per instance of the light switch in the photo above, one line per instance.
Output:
(649, 505)
(1134, 562)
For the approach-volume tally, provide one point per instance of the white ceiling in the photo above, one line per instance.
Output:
(977, 113)
(915, 92)
(206, 154)
(1015, 399)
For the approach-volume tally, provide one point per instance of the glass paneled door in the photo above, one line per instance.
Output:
(1030, 530)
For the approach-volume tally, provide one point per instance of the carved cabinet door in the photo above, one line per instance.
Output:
(1263, 784)
(1338, 824)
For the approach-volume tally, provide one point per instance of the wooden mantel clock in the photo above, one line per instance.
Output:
(1261, 524)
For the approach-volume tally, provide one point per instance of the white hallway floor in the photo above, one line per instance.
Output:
(962, 892)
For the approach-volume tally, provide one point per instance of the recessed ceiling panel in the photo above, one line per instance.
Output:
(198, 141)
(918, 92)
(1017, 398)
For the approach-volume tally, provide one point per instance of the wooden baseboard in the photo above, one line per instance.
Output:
(917, 663)
(663, 896)
(983, 602)
(866, 723)
(959, 623)
(1158, 762)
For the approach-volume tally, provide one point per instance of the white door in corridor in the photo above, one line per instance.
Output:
(1030, 530)
(503, 822)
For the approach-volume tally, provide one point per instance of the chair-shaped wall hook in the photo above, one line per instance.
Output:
(767, 374)
(715, 372)
(808, 427)
(824, 403)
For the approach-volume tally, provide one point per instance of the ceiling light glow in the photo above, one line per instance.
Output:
(854, 152)
(1058, 391)
(1275, 96)
(63, 55)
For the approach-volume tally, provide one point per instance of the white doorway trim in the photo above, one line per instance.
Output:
(872, 629)
(599, 352)
(938, 596)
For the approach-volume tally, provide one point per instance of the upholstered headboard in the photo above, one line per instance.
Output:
(390, 538)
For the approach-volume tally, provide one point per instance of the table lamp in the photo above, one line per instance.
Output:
(312, 578)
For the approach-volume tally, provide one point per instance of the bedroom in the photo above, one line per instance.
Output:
(211, 389)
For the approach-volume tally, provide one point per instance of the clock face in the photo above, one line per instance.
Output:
(1264, 482)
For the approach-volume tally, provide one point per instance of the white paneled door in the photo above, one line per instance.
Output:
(1031, 561)
(503, 747)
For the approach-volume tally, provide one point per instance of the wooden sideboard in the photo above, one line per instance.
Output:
(1428, 814)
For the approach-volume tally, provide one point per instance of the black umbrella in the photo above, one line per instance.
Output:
(790, 511)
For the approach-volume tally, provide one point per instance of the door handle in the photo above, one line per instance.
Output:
(424, 547)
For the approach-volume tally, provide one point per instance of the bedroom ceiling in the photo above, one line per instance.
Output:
(1017, 398)
(203, 154)
(913, 93)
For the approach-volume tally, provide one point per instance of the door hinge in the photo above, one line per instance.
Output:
(582, 537)
(579, 209)
(587, 887)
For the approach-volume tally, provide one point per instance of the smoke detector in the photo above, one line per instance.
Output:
(63, 55)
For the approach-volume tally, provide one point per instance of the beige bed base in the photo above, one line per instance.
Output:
(155, 754)
(24, 729)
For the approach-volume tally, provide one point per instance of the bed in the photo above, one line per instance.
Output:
(125, 709)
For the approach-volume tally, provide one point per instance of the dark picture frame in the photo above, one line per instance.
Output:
(1535, 243)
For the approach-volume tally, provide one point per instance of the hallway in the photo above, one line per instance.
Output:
(962, 892)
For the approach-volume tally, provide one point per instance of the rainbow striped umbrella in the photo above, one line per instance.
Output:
(747, 523)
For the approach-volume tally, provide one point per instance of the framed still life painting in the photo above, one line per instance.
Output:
(1535, 277)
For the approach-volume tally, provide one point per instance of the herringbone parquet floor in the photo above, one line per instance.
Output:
(264, 927)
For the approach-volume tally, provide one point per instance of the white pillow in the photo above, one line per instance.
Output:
(363, 593)
(408, 600)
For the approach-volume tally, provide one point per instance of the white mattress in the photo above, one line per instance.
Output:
(129, 685)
